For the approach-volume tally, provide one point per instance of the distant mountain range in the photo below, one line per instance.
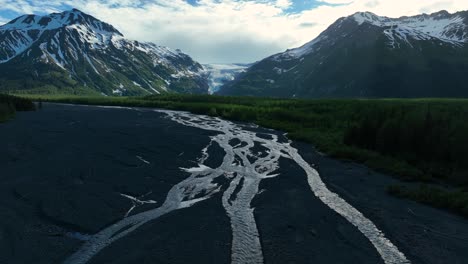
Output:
(365, 55)
(362, 55)
(72, 52)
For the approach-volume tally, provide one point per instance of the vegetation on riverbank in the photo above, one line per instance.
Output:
(455, 201)
(10, 104)
(424, 140)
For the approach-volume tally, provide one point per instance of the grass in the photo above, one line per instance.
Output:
(424, 140)
(455, 201)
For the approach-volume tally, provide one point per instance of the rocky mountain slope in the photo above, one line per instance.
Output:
(365, 55)
(72, 52)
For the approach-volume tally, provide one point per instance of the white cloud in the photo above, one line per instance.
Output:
(230, 30)
(227, 31)
(283, 4)
(28, 7)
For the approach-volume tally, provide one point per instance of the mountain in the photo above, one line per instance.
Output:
(365, 55)
(72, 52)
(220, 74)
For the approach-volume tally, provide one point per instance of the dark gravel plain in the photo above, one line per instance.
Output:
(63, 170)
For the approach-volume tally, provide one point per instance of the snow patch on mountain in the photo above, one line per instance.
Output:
(301, 51)
(441, 25)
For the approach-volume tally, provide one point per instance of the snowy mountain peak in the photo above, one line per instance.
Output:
(371, 18)
(441, 14)
(21, 33)
(82, 45)
(57, 20)
(442, 25)
(362, 17)
(435, 19)
(450, 29)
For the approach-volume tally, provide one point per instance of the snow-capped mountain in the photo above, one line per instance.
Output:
(365, 55)
(75, 52)
(440, 26)
(220, 74)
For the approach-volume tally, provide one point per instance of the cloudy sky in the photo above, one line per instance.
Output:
(219, 31)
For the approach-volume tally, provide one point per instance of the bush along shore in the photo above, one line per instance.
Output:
(418, 140)
(10, 104)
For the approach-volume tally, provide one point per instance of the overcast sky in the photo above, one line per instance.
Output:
(222, 31)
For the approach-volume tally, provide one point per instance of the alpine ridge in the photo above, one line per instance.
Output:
(73, 52)
(366, 55)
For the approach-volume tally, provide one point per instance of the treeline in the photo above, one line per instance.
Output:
(10, 104)
(430, 135)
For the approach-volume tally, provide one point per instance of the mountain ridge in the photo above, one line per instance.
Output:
(365, 55)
